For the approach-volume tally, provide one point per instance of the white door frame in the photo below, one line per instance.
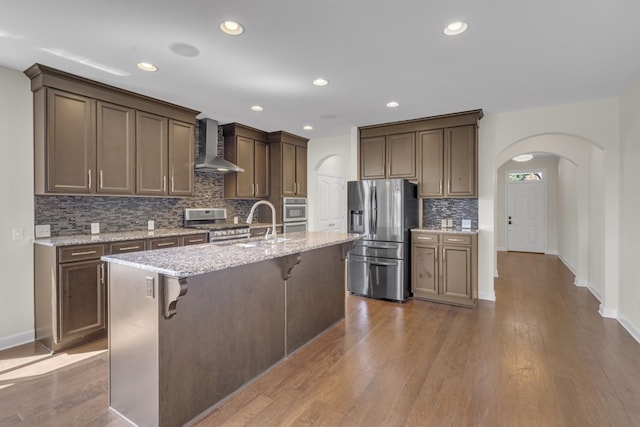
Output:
(506, 201)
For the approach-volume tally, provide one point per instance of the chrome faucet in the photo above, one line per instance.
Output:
(273, 217)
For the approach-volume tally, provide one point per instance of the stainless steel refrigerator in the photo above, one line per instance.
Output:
(383, 211)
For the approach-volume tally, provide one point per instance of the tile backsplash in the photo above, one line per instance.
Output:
(69, 215)
(435, 210)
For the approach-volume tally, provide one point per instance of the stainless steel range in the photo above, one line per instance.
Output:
(214, 220)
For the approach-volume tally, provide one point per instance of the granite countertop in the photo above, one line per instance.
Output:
(194, 260)
(445, 230)
(82, 239)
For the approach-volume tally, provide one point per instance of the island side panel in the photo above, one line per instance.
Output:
(133, 344)
(228, 329)
(315, 295)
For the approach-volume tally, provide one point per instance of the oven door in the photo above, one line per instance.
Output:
(292, 227)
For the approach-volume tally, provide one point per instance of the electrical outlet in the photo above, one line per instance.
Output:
(443, 223)
(43, 231)
(449, 222)
(18, 233)
(151, 224)
(466, 223)
(95, 228)
(150, 288)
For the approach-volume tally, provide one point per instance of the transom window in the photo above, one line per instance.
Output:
(524, 176)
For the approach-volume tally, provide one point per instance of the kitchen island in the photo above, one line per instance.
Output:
(189, 326)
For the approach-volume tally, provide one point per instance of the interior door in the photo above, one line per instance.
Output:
(330, 206)
(526, 216)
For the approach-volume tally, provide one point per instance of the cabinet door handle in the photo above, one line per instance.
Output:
(425, 238)
(165, 244)
(257, 189)
(100, 179)
(440, 187)
(195, 240)
(253, 189)
(451, 239)
(173, 187)
(102, 273)
(83, 253)
(444, 256)
(129, 248)
(89, 178)
(449, 187)
(164, 183)
(295, 188)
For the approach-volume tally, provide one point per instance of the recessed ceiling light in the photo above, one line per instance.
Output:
(184, 49)
(321, 82)
(146, 66)
(393, 104)
(232, 28)
(307, 127)
(456, 28)
(257, 108)
(523, 157)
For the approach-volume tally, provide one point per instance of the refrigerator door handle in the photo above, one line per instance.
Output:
(384, 264)
(375, 210)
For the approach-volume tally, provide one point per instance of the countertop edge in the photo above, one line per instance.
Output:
(85, 239)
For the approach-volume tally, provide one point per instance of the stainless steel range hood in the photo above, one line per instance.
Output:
(210, 161)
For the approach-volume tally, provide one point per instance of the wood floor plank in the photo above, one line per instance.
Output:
(540, 355)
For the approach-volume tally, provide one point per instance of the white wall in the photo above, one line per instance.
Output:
(568, 213)
(629, 310)
(330, 157)
(16, 193)
(550, 164)
(595, 280)
(594, 121)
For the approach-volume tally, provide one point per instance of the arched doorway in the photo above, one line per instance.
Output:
(579, 231)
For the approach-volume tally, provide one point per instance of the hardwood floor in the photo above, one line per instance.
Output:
(540, 356)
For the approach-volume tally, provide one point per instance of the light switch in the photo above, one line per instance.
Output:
(151, 225)
(18, 233)
(95, 228)
(43, 231)
(466, 223)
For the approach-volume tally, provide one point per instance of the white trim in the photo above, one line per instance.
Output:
(17, 339)
(495, 274)
(501, 249)
(609, 313)
(506, 199)
(595, 292)
(566, 263)
(551, 252)
(635, 332)
(581, 283)
(487, 296)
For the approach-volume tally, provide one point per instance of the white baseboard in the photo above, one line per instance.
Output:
(595, 292)
(609, 313)
(567, 264)
(495, 274)
(551, 252)
(582, 283)
(630, 327)
(16, 340)
(501, 249)
(487, 296)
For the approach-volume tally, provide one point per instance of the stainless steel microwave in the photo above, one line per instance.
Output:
(294, 209)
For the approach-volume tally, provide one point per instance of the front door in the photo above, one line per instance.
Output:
(526, 212)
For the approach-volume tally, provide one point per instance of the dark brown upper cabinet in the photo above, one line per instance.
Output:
(116, 149)
(440, 152)
(91, 138)
(289, 168)
(247, 148)
(66, 158)
(388, 156)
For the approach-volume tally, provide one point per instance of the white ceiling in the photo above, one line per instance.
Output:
(515, 54)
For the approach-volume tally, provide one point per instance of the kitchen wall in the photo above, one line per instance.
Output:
(629, 312)
(568, 213)
(550, 165)
(435, 210)
(16, 193)
(74, 214)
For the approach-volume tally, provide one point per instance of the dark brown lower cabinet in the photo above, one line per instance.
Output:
(83, 302)
(444, 267)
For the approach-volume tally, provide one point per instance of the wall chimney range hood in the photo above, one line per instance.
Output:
(210, 161)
